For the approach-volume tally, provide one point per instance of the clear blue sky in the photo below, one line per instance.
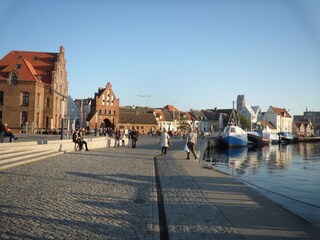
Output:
(193, 54)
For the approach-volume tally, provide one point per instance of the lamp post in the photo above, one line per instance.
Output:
(62, 118)
(96, 125)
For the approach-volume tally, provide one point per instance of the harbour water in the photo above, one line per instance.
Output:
(288, 174)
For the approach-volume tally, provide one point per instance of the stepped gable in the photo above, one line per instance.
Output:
(31, 66)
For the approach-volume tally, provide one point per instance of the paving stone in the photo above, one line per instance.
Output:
(106, 194)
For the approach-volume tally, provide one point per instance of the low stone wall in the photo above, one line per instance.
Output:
(59, 145)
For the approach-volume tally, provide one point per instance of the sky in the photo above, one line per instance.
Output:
(193, 54)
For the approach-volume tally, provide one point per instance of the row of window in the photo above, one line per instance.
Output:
(23, 117)
(24, 98)
(109, 112)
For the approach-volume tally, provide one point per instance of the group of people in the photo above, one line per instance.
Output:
(77, 138)
(5, 131)
(192, 138)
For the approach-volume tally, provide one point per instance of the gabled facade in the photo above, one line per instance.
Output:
(192, 121)
(164, 119)
(280, 118)
(204, 118)
(257, 111)
(314, 118)
(104, 112)
(268, 127)
(176, 117)
(249, 113)
(33, 90)
(304, 128)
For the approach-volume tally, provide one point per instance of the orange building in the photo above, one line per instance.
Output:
(104, 109)
(33, 90)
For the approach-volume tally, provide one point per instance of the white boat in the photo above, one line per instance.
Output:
(273, 138)
(232, 135)
(259, 137)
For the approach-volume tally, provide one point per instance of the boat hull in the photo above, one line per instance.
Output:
(286, 137)
(234, 136)
(257, 139)
(235, 141)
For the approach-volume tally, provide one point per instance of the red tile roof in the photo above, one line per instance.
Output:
(33, 65)
(281, 111)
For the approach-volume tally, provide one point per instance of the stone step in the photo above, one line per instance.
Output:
(12, 153)
(27, 158)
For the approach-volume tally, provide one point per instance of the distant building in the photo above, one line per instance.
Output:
(141, 119)
(241, 102)
(164, 119)
(258, 112)
(269, 127)
(248, 112)
(310, 116)
(280, 118)
(33, 90)
(203, 123)
(304, 128)
(85, 108)
(314, 118)
(104, 112)
(74, 114)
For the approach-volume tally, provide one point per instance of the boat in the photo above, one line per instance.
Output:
(258, 138)
(233, 135)
(286, 137)
(273, 137)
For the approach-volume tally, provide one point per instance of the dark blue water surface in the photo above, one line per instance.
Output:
(288, 174)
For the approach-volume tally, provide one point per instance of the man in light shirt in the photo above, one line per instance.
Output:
(191, 143)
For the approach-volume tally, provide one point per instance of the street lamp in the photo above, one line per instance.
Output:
(96, 125)
(62, 118)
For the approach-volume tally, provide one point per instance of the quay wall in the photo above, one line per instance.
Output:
(59, 145)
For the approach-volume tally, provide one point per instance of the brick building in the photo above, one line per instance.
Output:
(104, 110)
(33, 87)
(141, 119)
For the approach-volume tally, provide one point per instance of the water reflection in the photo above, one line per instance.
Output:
(290, 172)
(246, 160)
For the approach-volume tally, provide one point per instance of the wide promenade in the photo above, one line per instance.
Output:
(125, 193)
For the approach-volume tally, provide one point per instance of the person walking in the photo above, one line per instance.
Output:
(191, 143)
(134, 138)
(117, 137)
(164, 142)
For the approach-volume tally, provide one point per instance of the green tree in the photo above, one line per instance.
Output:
(245, 122)
(184, 125)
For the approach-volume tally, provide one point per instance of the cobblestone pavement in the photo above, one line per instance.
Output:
(101, 194)
(106, 194)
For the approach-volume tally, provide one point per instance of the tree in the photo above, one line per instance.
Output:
(184, 125)
(245, 122)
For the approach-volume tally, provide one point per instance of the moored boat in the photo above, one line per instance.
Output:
(234, 136)
(258, 138)
(286, 137)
